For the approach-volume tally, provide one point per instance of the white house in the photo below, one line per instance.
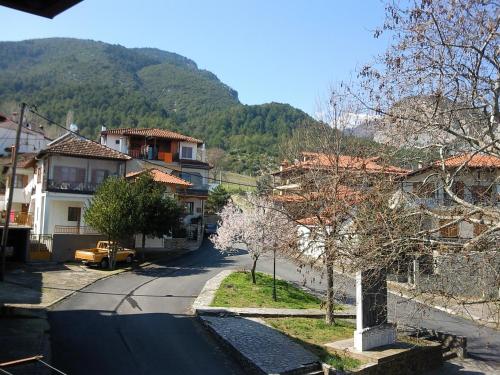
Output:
(32, 140)
(174, 153)
(67, 173)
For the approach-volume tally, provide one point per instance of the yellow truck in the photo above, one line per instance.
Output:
(99, 255)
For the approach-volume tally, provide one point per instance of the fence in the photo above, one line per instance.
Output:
(74, 229)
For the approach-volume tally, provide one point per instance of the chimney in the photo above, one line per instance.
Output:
(103, 128)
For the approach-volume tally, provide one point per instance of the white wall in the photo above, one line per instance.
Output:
(21, 195)
(111, 139)
(30, 141)
(56, 210)
(194, 146)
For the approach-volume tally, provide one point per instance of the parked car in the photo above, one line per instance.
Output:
(99, 255)
(211, 229)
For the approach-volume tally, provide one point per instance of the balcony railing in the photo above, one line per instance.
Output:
(74, 229)
(198, 190)
(71, 187)
(167, 157)
(17, 218)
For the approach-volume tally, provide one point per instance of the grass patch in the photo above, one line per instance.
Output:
(314, 333)
(237, 290)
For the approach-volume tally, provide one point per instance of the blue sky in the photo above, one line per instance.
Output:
(285, 51)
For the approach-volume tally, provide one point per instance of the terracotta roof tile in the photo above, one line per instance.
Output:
(73, 145)
(468, 159)
(152, 132)
(315, 160)
(163, 177)
(472, 161)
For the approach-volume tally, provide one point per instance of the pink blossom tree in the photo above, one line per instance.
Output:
(258, 225)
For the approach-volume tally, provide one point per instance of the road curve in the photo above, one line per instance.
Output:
(140, 322)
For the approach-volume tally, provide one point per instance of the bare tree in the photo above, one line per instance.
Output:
(437, 88)
(330, 174)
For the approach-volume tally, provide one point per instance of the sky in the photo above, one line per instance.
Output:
(288, 51)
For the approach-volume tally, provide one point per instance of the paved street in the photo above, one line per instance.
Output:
(139, 322)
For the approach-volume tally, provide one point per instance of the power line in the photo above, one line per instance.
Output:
(141, 160)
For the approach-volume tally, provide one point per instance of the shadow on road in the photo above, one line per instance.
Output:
(101, 342)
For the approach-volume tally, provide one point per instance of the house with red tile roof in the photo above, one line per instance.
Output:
(300, 188)
(475, 180)
(291, 177)
(66, 175)
(173, 153)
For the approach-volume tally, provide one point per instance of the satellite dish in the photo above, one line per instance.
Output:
(73, 128)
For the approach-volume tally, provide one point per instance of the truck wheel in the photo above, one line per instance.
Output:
(129, 259)
(104, 263)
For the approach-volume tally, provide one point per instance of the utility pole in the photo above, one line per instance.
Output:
(5, 231)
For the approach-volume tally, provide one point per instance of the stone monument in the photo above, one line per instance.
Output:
(372, 328)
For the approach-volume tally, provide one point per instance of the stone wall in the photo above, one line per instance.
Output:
(418, 360)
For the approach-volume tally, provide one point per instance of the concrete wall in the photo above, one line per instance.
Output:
(64, 245)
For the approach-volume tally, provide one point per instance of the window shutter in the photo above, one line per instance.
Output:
(25, 180)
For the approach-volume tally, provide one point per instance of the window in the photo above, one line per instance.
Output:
(450, 231)
(20, 181)
(99, 175)
(186, 152)
(74, 213)
(69, 174)
(195, 178)
(189, 207)
(117, 142)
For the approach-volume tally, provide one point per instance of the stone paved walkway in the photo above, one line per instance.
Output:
(261, 347)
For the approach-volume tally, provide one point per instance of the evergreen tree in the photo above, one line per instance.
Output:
(217, 199)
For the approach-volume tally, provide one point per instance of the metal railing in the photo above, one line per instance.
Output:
(71, 187)
(74, 229)
(41, 242)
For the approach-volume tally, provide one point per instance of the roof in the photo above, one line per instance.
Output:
(152, 132)
(73, 145)
(314, 160)
(24, 160)
(162, 177)
(470, 160)
(46, 8)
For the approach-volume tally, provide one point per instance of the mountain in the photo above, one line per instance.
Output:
(105, 84)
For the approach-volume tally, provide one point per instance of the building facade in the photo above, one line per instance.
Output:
(173, 153)
(67, 174)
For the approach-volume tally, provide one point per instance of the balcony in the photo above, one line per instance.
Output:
(197, 191)
(17, 218)
(73, 187)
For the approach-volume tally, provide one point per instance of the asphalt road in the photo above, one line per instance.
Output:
(140, 322)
